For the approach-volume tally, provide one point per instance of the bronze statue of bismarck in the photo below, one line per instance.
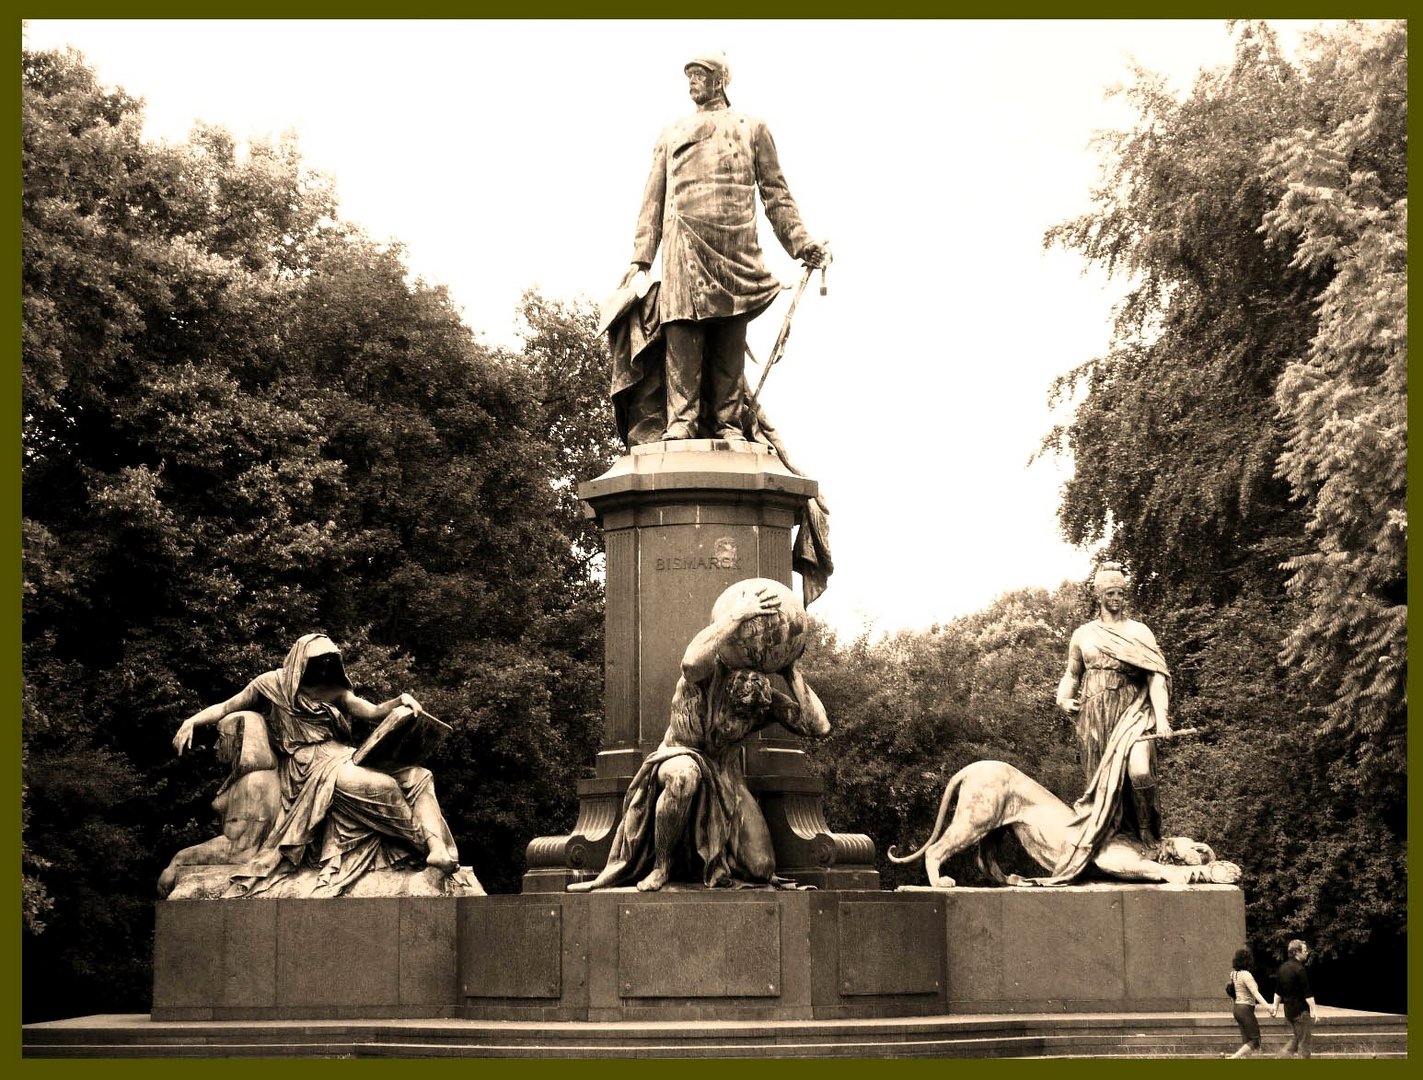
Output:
(700, 208)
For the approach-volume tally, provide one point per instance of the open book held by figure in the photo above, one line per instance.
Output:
(405, 737)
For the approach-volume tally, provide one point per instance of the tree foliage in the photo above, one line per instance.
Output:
(572, 368)
(1344, 212)
(1242, 447)
(244, 421)
(1176, 439)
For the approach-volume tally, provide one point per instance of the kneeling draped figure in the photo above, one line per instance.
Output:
(688, 812)
(331, 813)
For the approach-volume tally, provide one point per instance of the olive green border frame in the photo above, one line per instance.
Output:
(122, 1069)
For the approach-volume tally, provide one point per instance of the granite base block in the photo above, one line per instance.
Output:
(698, 954)
(302, 959)
(1091, 948)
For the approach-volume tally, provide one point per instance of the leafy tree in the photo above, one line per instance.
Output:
(244, 421)
(572, 367)
(1344, 212)
(1320, 863)
(1176, 440)
(1242, 448)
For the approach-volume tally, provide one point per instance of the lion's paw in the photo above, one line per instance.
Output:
(1224, 872)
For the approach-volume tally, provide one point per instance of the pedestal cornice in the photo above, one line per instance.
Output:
(710, 467)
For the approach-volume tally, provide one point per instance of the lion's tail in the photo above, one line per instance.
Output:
(950, 790)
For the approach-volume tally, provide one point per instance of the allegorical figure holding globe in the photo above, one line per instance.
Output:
(688, 814)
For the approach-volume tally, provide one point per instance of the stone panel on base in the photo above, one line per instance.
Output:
(305, 959)
(871, 950)
(1177, 942)
(535, 970)
(679, 947)
(315, 953)
(1090, 948)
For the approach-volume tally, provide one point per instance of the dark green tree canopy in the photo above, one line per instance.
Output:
(1242, 447)
(244, 421)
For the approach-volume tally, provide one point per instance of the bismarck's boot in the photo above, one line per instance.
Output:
(1144, 802)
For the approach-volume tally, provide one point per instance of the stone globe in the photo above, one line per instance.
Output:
(766, 643)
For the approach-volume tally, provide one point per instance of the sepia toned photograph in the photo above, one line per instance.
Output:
(768, 539)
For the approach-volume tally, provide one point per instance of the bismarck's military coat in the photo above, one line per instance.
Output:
(700, 205)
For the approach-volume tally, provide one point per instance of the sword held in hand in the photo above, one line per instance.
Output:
(1176, 734)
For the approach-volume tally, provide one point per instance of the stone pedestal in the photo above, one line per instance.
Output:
(1103, 947)
(682, 521)
(700, 954)
(259, 958)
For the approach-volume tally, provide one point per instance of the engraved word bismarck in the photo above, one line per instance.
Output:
(724, 557)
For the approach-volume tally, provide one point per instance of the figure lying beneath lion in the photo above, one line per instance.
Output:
(995, 798)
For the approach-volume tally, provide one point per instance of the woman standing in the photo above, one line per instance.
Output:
(1246, 993)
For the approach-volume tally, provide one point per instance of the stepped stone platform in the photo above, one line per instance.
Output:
(1340, 1033)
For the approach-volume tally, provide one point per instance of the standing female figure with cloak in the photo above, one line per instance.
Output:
(1117, 684)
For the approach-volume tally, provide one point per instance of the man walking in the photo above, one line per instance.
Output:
(699, 206)
(1292, 988)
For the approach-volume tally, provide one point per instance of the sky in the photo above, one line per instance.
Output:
(933, 155)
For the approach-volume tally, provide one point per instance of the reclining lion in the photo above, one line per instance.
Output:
(993, 796)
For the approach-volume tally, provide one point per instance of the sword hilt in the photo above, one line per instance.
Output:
(825, 244)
